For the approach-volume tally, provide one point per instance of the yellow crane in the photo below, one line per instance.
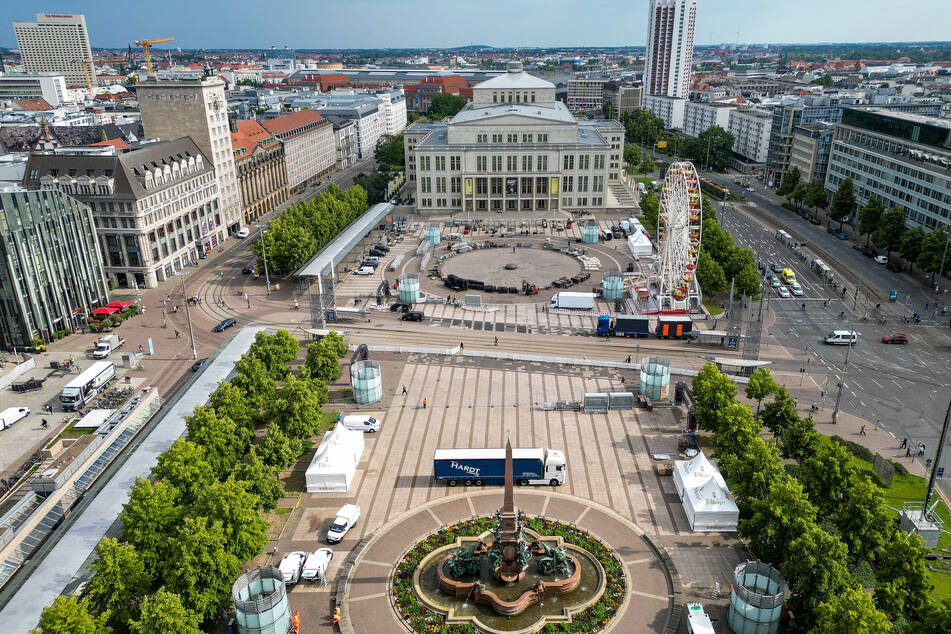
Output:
(146, 45)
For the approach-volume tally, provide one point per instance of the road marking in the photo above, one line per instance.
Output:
(438, 521)
(544, 506)
(376, 563)
(880, 386)
(583, 513)
(634, 562)
(471, 507)
(640, 594)
(378, 595)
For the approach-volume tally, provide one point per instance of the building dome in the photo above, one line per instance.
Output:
(514, 66)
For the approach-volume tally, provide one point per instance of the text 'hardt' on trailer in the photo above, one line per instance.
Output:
(487, 466)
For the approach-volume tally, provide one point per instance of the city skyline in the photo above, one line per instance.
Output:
(413, 24)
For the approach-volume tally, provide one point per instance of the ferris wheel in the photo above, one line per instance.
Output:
(678, 236)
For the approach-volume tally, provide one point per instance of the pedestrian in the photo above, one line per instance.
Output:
(908, 451)
(140, 347)
(404, 390)
(462, 345)
(804, 306)
(796, 401)
(921, 449)
(496, 341)
(622, 380)
(628, 358)
(862, 431)
(904, 443)
(424, 403)
(338, 417)
(177, 334)
(45, 424)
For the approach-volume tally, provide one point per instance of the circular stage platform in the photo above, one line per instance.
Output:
(535, 265)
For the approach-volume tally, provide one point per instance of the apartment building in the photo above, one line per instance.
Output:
(345, 138)
(513, 149)
(51, 273)
(671, 109)
(309, 150)
(750, 128)
(369, 121)
(811, 146)
(56, 43)
(698, 116)
(669, 54)
(156, 209)
(624, 98)
(262, 171)
(586, 95)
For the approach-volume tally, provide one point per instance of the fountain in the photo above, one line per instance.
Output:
(510, 577)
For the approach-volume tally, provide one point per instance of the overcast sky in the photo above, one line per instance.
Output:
(503, 23)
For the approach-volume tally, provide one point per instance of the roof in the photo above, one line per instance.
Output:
(22, 138)
(249, 137)
(514, 80)
(290, 122)
(119, 144)
(559, 113)
(33, 105)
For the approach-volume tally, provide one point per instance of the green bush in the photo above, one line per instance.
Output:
(791, 207)
(857, 450)
(899, 468)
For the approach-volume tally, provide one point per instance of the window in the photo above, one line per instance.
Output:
(541, 185)
(513, 138)
(441, 185)
(584, 162)
(482, 186)
(511, 163)
(569, 162)
(526, 185)
(482, 138)
(424, 163)
(496, 138)
(425, 185)
(542, 138)
(526, 163)
(456, 184)
(582, 183)
(481, 163)
(542, 163)
(455, 162)
(496, 186)
(568, 184)
(440, 162)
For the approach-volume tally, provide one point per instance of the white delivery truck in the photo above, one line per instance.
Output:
(582, 301)
(347, 516)
(107, 345)
(84, 387)
(315, 568)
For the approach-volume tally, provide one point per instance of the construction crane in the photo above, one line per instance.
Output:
(87, 65)
(146, 45)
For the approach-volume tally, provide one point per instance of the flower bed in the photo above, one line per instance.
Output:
(592, 619)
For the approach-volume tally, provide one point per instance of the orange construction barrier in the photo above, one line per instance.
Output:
(295, 621)
(336, 616)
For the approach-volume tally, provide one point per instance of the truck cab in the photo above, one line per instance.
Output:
(555, 467)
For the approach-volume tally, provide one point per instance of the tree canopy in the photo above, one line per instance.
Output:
(790, 181)
(890, 230)
(164, 613)
(843, 201)
(70, 616)
(389, 152)
(444, 104)
(870, 215)
(119, 581)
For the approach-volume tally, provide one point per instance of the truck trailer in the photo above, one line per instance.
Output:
(624, 326)
(487, 466)
(675, 327)
(84, 387)
(583, 301)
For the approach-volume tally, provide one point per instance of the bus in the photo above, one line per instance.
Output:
(84, 387)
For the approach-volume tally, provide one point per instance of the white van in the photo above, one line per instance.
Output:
(842, 337)
(361, 422)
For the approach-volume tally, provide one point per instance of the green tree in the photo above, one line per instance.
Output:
(800, 438)
(650, 209)
(119, 581)
(751, 469)
(825, 81)
(150, 520)
(275, 352)
(254, 381)
(777, 519)
(164, 613)
(259, 480)
(747, 282)
(375, 184)
(710, 274)
(334, 341)
(185, 466)
(643, 126)
(911, 244)
(933, 255)
(843, 202)
(850, 612)
(713, 391)
(322, 361)
(816, 197)
(69, 616)
(863, 520)
(791, 180)
(229, 401)
(389, 152)
(444, 104)
(237, 509)
(223, 441)
(717, 144)
(200, 566)
(904, 584)
(735, 260)
(826, 476)
(296, 407)
(799, 194)
(278, 451)
(608, 110)
(761, 385)
(647, 164)
(287, 242)
(870, 216)
(890, 230)
(816, 568)
(632, 154)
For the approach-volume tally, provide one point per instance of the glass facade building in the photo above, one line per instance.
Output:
(51, 273)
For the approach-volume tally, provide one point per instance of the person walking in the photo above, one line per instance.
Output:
(177, 334)
(404, 390)
(424, 403)
(462, 345)
(628, 358)
(804, 306)
(45, 424)
(496, 341)
(904, 443)
(862, 431)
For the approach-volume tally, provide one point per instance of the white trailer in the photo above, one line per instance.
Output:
(583, 301)
(84, 387)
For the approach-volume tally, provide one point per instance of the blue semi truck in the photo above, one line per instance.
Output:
(487, 466)
(624, 326)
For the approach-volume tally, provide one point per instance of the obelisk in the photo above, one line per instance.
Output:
(509, 546)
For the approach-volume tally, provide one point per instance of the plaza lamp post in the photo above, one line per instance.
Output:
(267, 278)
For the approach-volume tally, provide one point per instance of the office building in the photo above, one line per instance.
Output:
(47, 86)
(586, 95)
(513, 149)
(669, 55)
(56, 43)
(698, 116)
(156, 209)
(345, 138)
(624, 98)
(902, 158)
(51, 274)
(262, 171)
(670, 109)
(309, 149)
(368, 118)
(810, 150)
(750, 128)
(197, 109)
(787, 114)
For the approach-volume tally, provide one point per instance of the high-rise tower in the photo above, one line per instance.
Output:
(56, 43)
(670, 27)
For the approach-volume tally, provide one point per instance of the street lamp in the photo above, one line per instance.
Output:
(845, 371)
(188, 317)
(267, 278)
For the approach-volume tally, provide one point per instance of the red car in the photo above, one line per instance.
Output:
(898, 337)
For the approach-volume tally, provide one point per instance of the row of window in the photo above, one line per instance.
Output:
(512, 137)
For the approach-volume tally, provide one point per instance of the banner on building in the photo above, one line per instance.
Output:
(468, 187)
(511, 186)
(554, 185)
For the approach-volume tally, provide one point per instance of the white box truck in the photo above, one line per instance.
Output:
(582, 301)
(84, 387)
(346, 517)
(107, 345)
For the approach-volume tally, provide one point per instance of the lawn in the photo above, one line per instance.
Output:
(713, 305)
(327, 420)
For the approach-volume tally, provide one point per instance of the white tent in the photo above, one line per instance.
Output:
(707, 501)
(694, 472)
(639, 244)
(336, 461)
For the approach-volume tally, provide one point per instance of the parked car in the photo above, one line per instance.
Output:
(814, 221)
(377, 252)
(400, 308)
(783, 291)
(413, 315)
(365, 270)
(894, 266)
(898, 337)
(243, 233)
(248, 269)
(291, 566)
(842, 236)
(224, 324)
(197, 365)
(761, 265)
(858, 247)
(881, 259)
(832, 230)
(774, 282)
(869, 252)
(580, 277)
(795, 289)
(382, 247)
(371, 261)
(316, 565)
(775, 267)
